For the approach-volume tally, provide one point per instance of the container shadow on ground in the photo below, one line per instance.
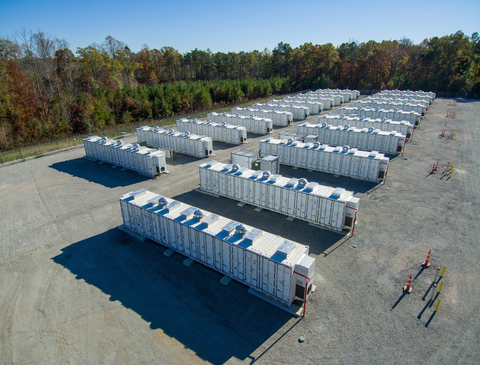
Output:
(181, 159)
(217, 322)
(225, 146)
(103, 174)
(318, 239)
(357, 186)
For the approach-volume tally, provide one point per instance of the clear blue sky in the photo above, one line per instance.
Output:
(238, 26)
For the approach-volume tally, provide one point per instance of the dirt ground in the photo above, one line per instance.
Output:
(74, 289)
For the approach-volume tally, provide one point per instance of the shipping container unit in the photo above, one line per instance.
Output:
(382, 124)
(314, 107)
(324, 206)
(289, 135)
(351, 94)
(407, 107)
(270, 163)
(221, 132)
(278, 117)
(243, 158)
(253, 124)
(387, 100)
(279, 268)
(147, 161)
(326, 102)
(299, 112)
(366, 139)
(175, 141)
(430, 96)
(375, 113)
(345, 161)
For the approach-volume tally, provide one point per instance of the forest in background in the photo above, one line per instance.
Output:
(48, 91)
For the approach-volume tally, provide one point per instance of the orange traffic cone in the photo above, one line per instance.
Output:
(408, 288)
(427, 261)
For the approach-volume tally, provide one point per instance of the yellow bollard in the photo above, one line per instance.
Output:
(443, 271)
(453, 134)
(454, 115)
(440, 288)
(438, 304)
(451, 169)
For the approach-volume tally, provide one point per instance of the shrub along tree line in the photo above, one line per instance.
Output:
(49, 92)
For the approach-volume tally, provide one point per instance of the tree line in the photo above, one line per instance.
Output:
(47, 91)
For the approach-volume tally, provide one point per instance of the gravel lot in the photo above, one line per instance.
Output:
(74, 289)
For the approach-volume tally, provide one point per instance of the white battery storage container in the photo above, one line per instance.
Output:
(221, 132)
(290, 135)
(253, 124)
(243, 158)
(382, 124)
(345, 161)
(393, 114)
(387, 105)
(327, 103)
(278, 117)
(180, 142)
(324, 206)
(147, 161)
(265, 262)
(367, 139)
(314, 107)
(299, 112)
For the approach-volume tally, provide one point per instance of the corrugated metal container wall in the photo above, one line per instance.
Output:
(258, 259)
(376, 140)
(396, 115)
(371, 166)
(147, 161)
(181, 142)
(278, 117)
(321, 205)
(299, 112)
(251, 123)
(383, 124)
(217, 131)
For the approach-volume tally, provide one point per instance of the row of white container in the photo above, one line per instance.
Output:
(345, 96)
(406, 107)
(144, 160)
(181, 142)
(345, 161)
(326, 102)
(354, 94)
(382, 124)
(278, 117)
(222, 132)
(388, 100)
(253, 124)
(263, 261)
(321, 205)
(374, 113)
(366, 139)
(337, 98)
(430, 96)
(314, 107)
(299, 112)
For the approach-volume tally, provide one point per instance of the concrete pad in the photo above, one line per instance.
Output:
(294, 309)
(241, 204)
(189, 262)
(225, 280)
(168, 252)
(128, 231)
(258, 209)
(290, 219)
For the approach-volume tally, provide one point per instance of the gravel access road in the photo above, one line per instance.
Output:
(76, 290)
